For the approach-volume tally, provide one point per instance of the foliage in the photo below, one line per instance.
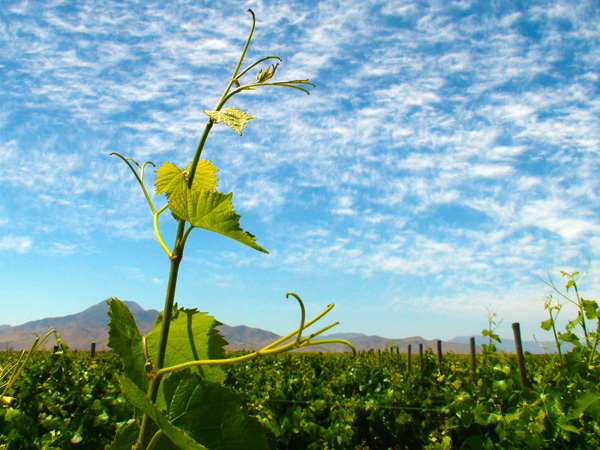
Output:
(64, 400)
(10, 373)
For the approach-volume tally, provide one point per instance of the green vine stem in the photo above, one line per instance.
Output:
(220, 104)
(166, 323)
(145, 438)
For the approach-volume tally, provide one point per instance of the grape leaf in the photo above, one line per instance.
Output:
(212, 211)
(139, 400)
(170, 179)
(547, 324)
(192, 337)
(126, 437)
(587, 402)
(126, 340)
(211, 413)
(233, 117)
(591, 309)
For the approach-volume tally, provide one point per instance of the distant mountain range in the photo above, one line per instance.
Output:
(79, 330)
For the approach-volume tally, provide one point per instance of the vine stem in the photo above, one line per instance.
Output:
(166, 324)
(220, 104)
(176, 255)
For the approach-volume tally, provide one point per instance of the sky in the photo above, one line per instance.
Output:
(445, 162)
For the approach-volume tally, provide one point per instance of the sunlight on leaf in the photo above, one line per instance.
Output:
(212, 211)
(170, 179)
(232, 117)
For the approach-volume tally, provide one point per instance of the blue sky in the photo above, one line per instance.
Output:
(446, 159)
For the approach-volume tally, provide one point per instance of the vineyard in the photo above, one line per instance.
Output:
(332, 401)
(175, 386)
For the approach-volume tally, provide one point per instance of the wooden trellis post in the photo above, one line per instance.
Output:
(519, 347)
(473, 359)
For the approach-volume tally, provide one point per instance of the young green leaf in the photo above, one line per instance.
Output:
(546, 324)
(170, 179)
(126, 340)
(139, 400)
(212, 211)
(232, 117)
(211, 413)
(591, 309)
(570, 337)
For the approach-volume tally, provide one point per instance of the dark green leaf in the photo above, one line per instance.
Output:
(211, 413)
(126, 340)
(588, 402)
(139, 400)
(192, 337)
(567, 427)
(126, 436)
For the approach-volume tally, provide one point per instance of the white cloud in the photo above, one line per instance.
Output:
(19, 244)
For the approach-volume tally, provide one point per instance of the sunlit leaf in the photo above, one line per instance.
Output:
(212, 211)
(170, 179)
(126, 340)
(233, 117)
(591, 309)
(547, 324)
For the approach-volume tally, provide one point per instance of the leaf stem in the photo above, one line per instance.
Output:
(302, 315)
(140, 180)
(256, 64)
(157, 231)
(155, 439)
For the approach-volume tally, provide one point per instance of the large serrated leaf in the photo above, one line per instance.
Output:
(211, 413)
(126, 340)
(170, 179)
(139, 400)
(233, 117)
(212, 211)
(192, 337)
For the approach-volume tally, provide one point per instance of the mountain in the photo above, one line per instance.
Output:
(79, 330)
(508, 345)
(362, 342)
(245, 338)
